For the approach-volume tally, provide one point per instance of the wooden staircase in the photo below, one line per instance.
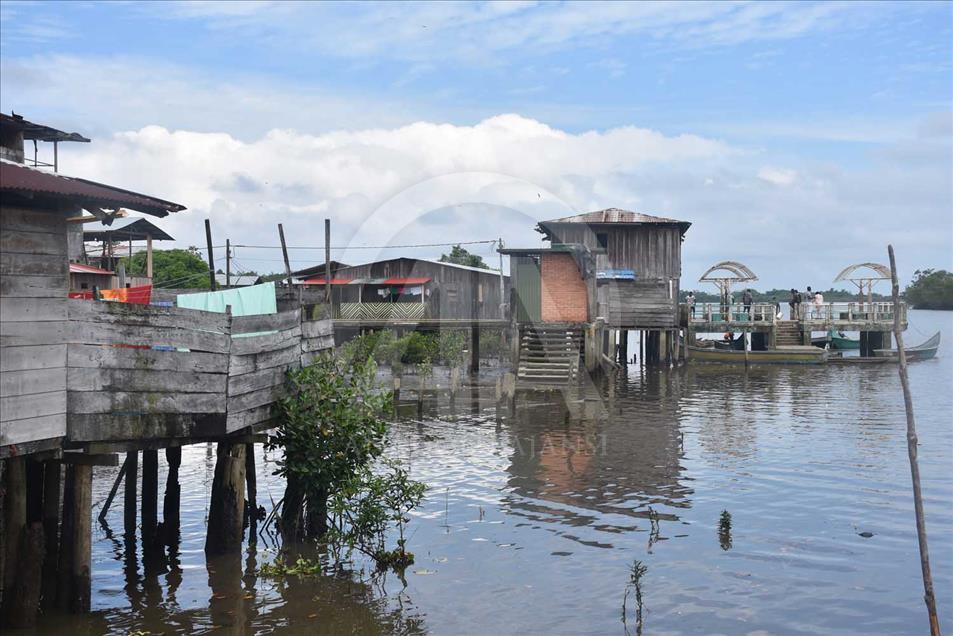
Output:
(789, 333)
(549, 355)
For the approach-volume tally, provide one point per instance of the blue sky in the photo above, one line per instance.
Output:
(772, 119)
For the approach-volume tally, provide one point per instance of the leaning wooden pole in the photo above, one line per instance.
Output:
(928, 595)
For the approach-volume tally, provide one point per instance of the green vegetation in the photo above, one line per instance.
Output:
(301, 567)
(461, 256)
(637, 572)
(172, 268)
(332, 434)
(930, 289)
(417, 349)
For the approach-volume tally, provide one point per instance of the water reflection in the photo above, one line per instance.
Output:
(534, 519)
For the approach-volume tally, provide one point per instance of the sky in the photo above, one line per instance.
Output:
(798, 138)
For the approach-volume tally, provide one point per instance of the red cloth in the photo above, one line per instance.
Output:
(141, 295)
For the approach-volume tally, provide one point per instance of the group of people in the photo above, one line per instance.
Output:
(797, 299)
(747, 298)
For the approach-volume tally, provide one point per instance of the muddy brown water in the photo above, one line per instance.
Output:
(531, 524)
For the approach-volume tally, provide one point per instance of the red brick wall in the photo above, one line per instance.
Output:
(563, 290)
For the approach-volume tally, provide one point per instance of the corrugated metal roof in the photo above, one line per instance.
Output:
(237, 280)
(15, 177)
(39, 132)
(615, 215)
(79, 268)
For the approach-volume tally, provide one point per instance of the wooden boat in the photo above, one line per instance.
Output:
(836, 341)
(923, 351)
(798, 354)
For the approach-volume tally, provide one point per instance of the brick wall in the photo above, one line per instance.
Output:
(563, 290)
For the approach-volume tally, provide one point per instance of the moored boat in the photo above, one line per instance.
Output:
(837, 341)
(923, 351)
(798, 354)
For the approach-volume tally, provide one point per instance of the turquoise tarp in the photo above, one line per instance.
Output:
(245, 301)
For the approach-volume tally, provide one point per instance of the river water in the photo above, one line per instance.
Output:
(531, 524)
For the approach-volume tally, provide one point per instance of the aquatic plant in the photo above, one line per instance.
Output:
(301, 567)
(724, 530)
(637, 572)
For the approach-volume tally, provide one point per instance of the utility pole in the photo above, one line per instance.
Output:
(327, 262)
(499, 246)
(228, 263)
(211, 260)
(284, 253)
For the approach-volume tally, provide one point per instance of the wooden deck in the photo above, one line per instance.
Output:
(421, 323)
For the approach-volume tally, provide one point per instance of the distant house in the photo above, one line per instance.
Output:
(316, 271)
(236, 280)
(414, 288)
(83, 277)
(638, 263)
(118, 240)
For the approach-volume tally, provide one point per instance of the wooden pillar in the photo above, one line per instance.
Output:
(624, 347)
(51, 527)
(227, 506)
(173, 495)
(150, 496)
(129, 493)
(149, 257)
(251, 491)
(475, 349)
(14, 524)
(75, 540)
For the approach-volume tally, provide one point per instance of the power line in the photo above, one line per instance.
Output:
(364, 247)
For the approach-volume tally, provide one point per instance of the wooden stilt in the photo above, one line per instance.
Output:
(150, 496)
(130, 498)
(51, 528)
(624, 347)
(251, 490)
(22, 599)
(170, 501)
(75, 540)
(475, 349)
(14, 524)
(227, 507)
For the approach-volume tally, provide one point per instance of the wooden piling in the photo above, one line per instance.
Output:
(22, 599)
(172, 496)
(624, 347)
(51, 527)
(251, 491)
(14, 524)
(475, 349)
(129, 493)
(75, 540)
(150, 496)
(227, 506)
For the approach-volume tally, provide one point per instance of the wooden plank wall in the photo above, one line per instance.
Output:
(34, 280)
(638, 304)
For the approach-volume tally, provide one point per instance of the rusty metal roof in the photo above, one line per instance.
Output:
(38, 132)
(79, 268)
(615, 215)
(18, 178)
(130, 228)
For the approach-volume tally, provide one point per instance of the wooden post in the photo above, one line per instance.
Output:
(475, 349)
(211, 260)
(251, 490)
(912, 442)
(22, 599)
(170, 501)
(75, 540)
(396, 397)
(624, 347)
(129, 494)
(284, 254)
(150, 496)
(149, 256)
(14, 524)
(228, 263)
(122, 274)
(112, 493)
(227, 507)
(327, 262)
(51, 529)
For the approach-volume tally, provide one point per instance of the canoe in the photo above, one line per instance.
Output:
(836, 342)
(923, 351)
(782, 355)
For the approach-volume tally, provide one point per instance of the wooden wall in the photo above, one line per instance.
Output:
(463, 293)
(34, 280)
(654, 252)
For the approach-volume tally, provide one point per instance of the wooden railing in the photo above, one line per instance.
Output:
(811, 315)
(136, 372)
(762, 313)
(380, 311)
(833, 313)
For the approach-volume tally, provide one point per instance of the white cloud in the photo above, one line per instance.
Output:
(430, 183)
(777, 176)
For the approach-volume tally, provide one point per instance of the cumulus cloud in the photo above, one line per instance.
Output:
(434, 183)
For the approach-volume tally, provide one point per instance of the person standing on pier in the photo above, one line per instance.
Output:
(795, 304)
(818, 304)
(746, 299)
(777, 307)
(690, 301)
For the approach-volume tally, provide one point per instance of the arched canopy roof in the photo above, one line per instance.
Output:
(881, 272)
(740, 272)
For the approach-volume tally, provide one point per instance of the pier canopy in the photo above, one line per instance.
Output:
(733, 272)
(864, 276)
